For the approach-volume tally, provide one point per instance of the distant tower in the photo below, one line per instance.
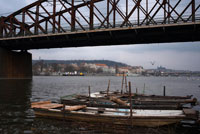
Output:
(152, 62)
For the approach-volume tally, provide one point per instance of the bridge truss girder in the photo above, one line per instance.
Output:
(63, 16)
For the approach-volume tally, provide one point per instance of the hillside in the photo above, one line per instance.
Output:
(107, 62)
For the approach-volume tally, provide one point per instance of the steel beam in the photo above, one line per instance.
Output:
(193, 10)
(114, 12)
(108, 10)
(73, 16)
(12, 26)
(91, 15)
(36, 19)
(54, 15)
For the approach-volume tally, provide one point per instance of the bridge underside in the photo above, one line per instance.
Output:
(15, 64)
(187, 32)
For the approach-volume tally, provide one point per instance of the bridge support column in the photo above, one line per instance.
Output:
(15, 64)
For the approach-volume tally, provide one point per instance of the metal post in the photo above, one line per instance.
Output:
(73, 17)
(114, 12)
(164, 2)
(126, 10)
(91, 15)
(23, 22)
(147, 12)
(59, 19)
(54, 16)
(12, 26)
(15, 31)
(1, 27)
(36, 20)
(193, 10)
(46, 26)
(168, 14)
(108, 13)
(130, 98)
(138, 11)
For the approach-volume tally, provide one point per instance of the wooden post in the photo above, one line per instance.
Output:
(164, 91)
(64, 111)
(108, 88)
(144, 89)
(89, 91)
(130, 97)
(136, 90)
(122, 83)
(126, 86)
(63, 107)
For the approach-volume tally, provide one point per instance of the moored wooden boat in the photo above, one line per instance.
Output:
(149, 99)
(123, 101)
(114, 116)
(136, 95)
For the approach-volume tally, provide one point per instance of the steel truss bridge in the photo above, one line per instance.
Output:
(76, 23)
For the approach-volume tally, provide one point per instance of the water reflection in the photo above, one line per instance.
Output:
(15, 115)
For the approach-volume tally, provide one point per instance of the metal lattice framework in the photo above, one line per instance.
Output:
(58, 16)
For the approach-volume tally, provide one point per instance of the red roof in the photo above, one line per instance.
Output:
(103, 65)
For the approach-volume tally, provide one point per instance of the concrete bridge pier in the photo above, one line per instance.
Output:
(15, 65)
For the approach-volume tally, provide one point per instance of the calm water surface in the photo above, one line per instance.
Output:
(16, 116)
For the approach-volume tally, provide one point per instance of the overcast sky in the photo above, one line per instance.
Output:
(184, 56)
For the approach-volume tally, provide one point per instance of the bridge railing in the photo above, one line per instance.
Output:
(159, 21)
(63, 16)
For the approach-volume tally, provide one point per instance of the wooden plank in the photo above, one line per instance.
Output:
(45, 105)
(118, 101)
(74, 108)
(40, 102)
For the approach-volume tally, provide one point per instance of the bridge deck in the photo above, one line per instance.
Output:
(116, 36)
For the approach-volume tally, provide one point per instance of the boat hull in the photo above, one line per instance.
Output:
(113, 120)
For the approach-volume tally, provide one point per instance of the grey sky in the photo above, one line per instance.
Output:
(184, 56)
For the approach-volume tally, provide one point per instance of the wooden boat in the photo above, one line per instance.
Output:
(102, 100)
(149, 99)
(113, 116)
(136, 96)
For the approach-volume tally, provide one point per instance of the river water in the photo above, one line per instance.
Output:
(16, 116)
